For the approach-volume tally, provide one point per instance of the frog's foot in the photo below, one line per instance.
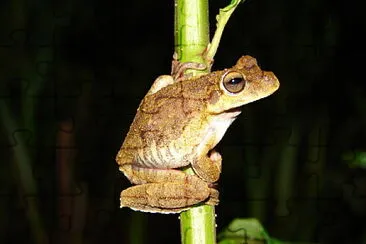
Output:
(209, 167)
(214, 197)
(179, 68)
(169, 197)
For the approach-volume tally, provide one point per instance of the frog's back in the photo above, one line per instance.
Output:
(167, 126)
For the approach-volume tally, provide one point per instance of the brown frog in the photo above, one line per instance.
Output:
(177, 124)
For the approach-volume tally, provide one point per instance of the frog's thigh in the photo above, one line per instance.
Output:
(139, 175)
(208, 168)
(165, 197)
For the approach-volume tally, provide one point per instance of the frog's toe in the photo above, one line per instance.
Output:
(215, 156)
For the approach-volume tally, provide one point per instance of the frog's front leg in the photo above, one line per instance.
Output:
(178, 69)
(177, 75)
(208, 167)
(165, 190)
(160, 82)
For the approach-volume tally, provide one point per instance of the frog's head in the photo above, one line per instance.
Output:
(242, 84)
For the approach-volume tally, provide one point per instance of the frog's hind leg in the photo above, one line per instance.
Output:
(170, 197)
(166, 190)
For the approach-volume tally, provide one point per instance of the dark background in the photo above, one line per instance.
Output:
(72, 74)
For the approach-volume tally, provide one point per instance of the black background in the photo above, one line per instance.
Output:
(72, 74)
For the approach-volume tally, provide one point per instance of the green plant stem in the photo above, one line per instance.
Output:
(191, 36)
(192, 44)
(191, 31)
(222, 18)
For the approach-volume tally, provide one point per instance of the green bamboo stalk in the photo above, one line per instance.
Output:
(191, 31)
(191, 37)
(192, 44)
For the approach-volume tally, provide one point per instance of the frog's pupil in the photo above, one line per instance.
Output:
(235, 81)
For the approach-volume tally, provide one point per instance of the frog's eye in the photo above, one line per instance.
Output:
(233, 82)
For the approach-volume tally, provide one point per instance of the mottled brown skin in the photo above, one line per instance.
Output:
(177, 124)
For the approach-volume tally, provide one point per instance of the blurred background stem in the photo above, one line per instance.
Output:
(23, 168)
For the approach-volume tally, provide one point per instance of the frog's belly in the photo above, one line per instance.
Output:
(164, 157)
(190, 146)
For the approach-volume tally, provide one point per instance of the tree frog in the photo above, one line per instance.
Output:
(178, 124)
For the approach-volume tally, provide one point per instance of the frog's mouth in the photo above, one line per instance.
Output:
(233, 112)
(228, 114)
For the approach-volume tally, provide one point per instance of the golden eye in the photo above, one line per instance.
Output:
(233, 82)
